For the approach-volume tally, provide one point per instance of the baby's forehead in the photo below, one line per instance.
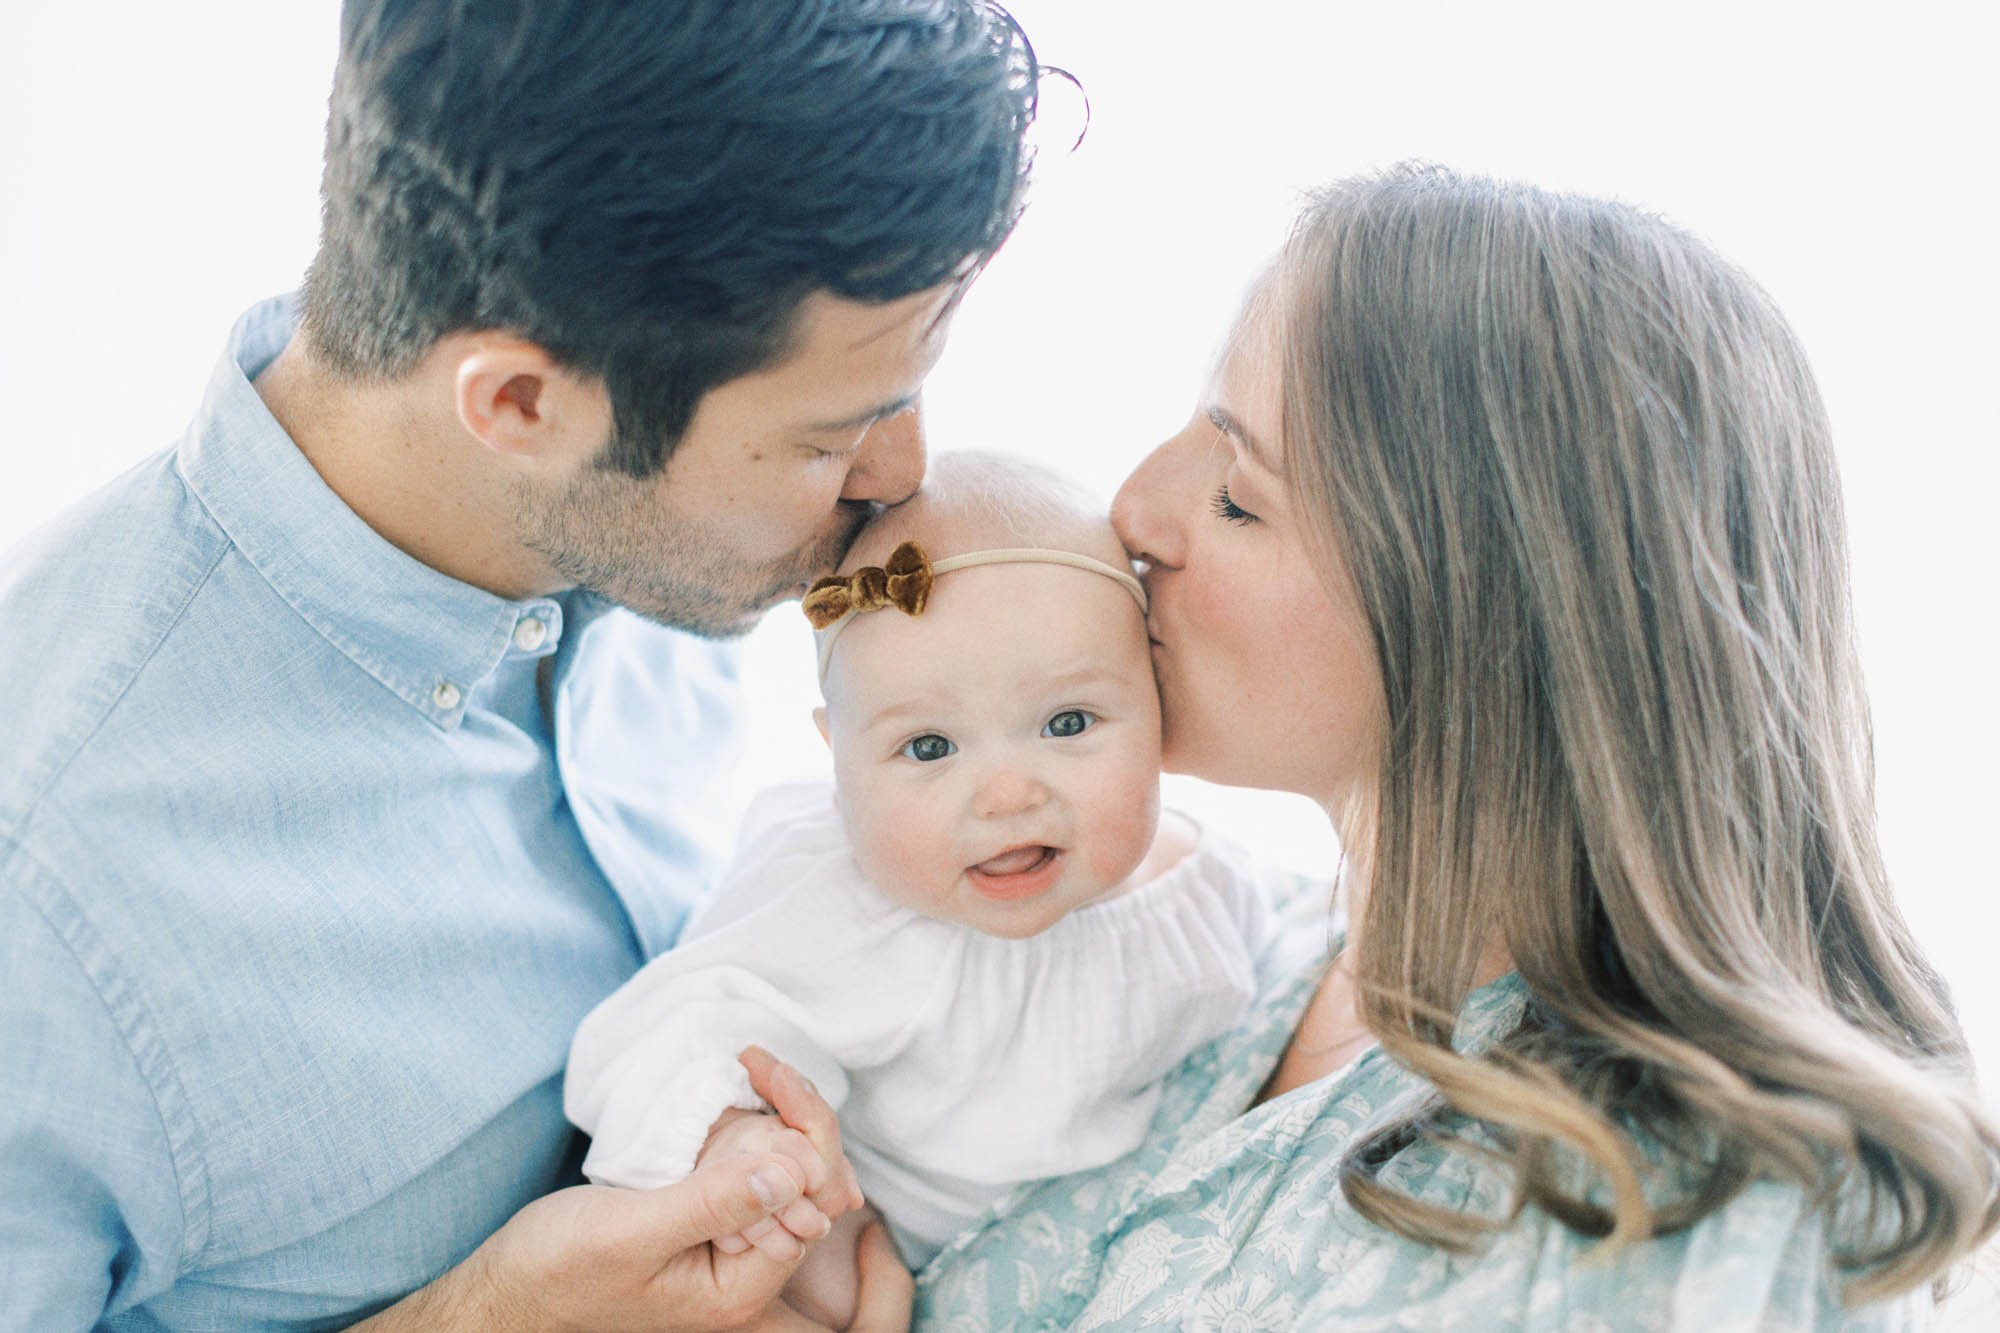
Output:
(1025, 630)
(872, 682)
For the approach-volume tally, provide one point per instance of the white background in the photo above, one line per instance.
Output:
(160, 171)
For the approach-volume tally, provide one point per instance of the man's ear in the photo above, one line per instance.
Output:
(819, 720)
(513, 398)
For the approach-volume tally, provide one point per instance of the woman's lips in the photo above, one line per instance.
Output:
(1020, 872)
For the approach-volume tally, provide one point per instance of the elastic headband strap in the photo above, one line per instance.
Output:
(909, 559)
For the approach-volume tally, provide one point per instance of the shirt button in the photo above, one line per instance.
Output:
(445, 696)
(529, 634)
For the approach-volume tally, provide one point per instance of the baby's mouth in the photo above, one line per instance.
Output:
(1021, 872)
(1017, 862)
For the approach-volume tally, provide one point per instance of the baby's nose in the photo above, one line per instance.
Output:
(1010, 791)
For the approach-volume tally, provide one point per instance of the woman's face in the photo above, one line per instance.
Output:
(1266, 667)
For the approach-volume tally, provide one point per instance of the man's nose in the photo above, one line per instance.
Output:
(889, 466)
(1148, 513)
(1009, 789)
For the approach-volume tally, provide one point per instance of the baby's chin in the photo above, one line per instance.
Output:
(1014, 930)
(1039, 917)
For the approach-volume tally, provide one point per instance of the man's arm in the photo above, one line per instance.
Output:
(594, 1257)
(92, 1200)
(598, 1257)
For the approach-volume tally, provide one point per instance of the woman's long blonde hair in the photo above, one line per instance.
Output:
(1581, 477)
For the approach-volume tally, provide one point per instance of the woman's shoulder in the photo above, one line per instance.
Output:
(1270, 1243)
(1242, 1218)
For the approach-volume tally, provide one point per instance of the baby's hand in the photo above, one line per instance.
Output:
(781, 1236)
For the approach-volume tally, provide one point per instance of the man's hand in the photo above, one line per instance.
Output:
(757, 1134)
(594, 1257)
(740, 1133)
(801, 1107)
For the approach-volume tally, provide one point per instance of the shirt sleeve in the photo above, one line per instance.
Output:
(653, 1067)
(821, 987)
(91, 1218)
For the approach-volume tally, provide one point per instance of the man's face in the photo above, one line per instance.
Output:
(774, 475)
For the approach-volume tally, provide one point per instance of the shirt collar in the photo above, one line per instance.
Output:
(426, 636)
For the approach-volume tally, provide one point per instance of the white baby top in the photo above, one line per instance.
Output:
(961, 1064)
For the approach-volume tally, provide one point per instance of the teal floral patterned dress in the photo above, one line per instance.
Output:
(1233, 1220)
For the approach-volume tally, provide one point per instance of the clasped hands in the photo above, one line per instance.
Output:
(829, 1191)
(712, 1252)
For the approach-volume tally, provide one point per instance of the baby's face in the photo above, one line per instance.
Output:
(998, 758)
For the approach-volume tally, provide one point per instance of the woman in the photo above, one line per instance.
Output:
(1509, 532)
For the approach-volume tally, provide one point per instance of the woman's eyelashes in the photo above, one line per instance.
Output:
(1227, 509)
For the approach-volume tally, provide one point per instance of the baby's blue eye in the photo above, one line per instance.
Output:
(1069, 722)
(928, 748)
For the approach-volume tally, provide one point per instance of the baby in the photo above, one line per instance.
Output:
(983, 944)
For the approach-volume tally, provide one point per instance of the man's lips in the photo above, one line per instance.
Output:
(1019, 872)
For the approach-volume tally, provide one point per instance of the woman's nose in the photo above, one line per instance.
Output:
(1144, 513)
(1009, 790)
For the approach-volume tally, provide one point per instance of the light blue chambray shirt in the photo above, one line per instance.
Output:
(311, 858)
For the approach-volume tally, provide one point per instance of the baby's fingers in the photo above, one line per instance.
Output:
(776, 1243)
(818, 1172)
(804, 1220)
(843, 1192)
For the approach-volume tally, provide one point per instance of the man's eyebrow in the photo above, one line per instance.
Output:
(867, 418)
(1233, 428)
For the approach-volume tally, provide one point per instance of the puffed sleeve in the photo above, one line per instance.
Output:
(91, 1212)
(654, 1066)
(794, 955)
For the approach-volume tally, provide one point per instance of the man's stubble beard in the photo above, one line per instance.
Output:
(609, 534)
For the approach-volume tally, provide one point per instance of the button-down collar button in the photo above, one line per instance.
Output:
(445, 696)
(530, 633)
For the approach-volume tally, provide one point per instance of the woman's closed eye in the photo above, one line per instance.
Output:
(1228, 510)
(928, 748)
(1069, 722)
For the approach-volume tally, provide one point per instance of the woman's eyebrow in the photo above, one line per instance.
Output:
(1230, 426)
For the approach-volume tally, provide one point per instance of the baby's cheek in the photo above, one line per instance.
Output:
(1127, 819)
(905, 860)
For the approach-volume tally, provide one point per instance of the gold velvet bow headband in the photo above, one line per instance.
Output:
(904, 582)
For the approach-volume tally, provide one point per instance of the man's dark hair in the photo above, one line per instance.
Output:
(648, 190)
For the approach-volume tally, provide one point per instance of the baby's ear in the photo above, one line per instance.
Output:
(819, 720)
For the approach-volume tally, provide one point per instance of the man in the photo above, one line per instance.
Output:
(349, 779)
